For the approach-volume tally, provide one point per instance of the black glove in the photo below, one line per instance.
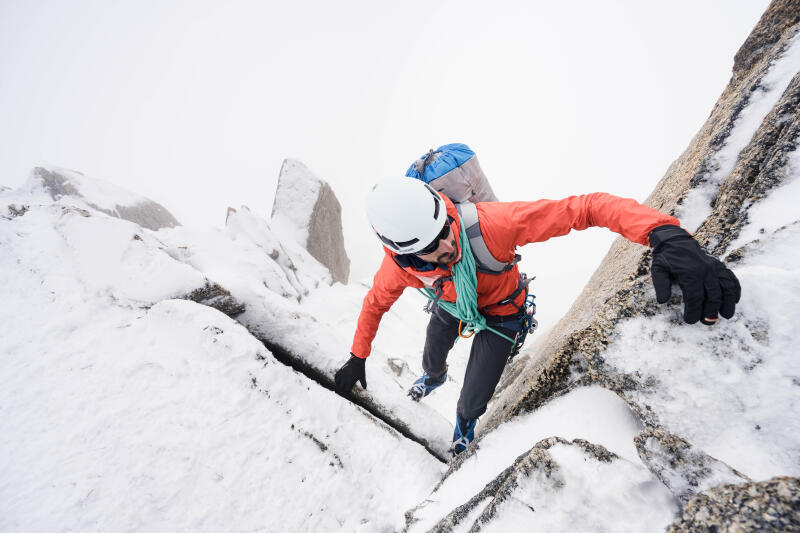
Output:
(351, 371)
(709, 288)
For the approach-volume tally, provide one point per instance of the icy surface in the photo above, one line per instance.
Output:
(697, 205)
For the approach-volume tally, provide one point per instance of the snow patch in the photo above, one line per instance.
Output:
(696, 207)
(592, 413)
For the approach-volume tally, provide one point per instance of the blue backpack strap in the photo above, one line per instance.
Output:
(484, 260)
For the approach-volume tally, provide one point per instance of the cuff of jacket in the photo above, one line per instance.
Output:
(662, 234)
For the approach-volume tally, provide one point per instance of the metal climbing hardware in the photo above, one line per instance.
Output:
(528, 324)
(463, 334)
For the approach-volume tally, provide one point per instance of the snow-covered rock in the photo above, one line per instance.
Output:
(306, 207)
(517, 474)
(100, 195)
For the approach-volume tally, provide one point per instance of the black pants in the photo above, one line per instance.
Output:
(487, 358)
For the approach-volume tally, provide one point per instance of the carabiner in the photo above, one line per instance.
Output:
(471, 333)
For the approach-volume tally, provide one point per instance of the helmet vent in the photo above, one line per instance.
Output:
(436, 203)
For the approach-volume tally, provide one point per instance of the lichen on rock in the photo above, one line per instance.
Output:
(772, 505)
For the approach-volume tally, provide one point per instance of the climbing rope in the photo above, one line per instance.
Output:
(466, 282)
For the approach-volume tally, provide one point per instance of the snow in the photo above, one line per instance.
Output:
(731, 377)
(697, 205)
(591, 413)
(154, 425)
(586, 495)
(293, 305)
(103, 194)
(125, 409)
(776, 210)
(295, 198)
(719, 387)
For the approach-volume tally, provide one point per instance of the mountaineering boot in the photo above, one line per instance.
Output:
(463, 434)
(425, 385)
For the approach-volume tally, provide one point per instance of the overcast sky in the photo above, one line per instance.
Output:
(195, 104)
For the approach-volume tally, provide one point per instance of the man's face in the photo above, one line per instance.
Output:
(446, 252)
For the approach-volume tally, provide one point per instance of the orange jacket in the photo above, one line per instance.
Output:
(504, 226)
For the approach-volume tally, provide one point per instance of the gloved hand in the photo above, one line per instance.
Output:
(709, 288)
(351, 371)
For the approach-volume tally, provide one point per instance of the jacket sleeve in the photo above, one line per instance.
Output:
(528, 222)
(389, 283)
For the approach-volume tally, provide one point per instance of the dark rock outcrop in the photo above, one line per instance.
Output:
(144, 212)
(311, 207)
(772, 505)
(217, 297)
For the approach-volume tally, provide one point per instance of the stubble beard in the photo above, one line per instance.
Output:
(446, 259)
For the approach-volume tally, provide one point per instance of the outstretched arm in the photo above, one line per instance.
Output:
(708, 288)
(520, 223)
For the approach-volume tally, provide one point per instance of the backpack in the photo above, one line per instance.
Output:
(453, 170)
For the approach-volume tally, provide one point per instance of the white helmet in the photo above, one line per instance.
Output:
(406, 213)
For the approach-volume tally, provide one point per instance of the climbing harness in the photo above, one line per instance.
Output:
(464, 277)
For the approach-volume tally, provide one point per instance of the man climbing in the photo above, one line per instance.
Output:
(421, 231)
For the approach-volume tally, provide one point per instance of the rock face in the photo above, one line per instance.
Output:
(772, 505)
(620, 288)
(745, 150)
(102, 196)
(307, 207)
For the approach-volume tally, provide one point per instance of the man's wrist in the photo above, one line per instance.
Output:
(667, 232)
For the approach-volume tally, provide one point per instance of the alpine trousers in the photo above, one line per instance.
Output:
(487, 358)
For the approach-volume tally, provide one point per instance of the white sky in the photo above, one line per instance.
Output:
(195, 104)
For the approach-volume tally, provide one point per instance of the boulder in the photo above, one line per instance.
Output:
(306, 207)
(102, 196)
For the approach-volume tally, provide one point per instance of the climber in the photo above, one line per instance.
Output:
(421, 233)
